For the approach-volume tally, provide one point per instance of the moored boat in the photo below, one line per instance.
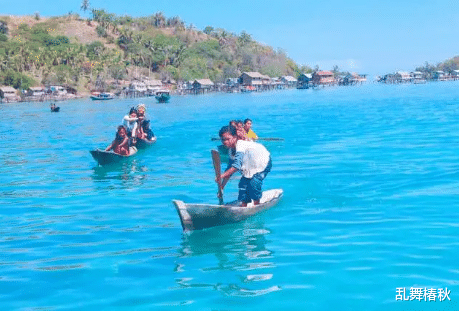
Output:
(145, 143)
(102, 96)
(163, 96)
(109, 157)
(200, 216)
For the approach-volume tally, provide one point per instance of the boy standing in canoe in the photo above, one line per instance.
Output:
(251, 159)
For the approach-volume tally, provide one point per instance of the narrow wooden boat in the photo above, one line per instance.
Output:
(145, 143)
(258, 139)
(163, 96)
(200, 216)
(109, 157)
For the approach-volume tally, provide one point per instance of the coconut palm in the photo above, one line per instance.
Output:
(85, 5)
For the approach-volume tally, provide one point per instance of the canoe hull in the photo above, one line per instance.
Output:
(145, 143)
(55, 109)
(108, 157)
(201, 216)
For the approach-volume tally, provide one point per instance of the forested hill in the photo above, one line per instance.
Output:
(80, 52)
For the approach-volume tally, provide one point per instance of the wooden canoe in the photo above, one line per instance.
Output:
(200, 216)
(145, 143)
(109, 157)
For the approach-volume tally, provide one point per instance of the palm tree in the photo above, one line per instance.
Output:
(85, 5)
(159, 19)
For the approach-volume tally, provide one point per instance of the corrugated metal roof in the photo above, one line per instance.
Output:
(37, 88)
(290, 78)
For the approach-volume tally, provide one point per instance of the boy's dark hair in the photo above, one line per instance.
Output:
(132, 110)
(247, 120)
(227, 129)
(239, 121)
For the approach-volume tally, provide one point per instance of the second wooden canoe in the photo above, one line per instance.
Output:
(145, 143)
(109, 157)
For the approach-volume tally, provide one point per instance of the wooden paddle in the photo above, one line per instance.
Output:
(218, 173)
(259, 138)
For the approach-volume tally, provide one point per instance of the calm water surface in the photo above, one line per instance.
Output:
(370, 177)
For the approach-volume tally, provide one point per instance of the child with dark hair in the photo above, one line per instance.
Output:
(248, 129)
(130, 124)
(121, 143)
(147, 133)
(251, 159)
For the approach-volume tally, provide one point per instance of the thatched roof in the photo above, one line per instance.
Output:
(204, 82)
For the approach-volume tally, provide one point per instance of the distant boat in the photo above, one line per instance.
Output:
(102, 96)
(55, 109)
(163, 96)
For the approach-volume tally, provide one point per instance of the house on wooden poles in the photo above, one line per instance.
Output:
(251, 80)
(402, 77)
(289, 81)
(323, 78)
(304, 80)
(418, 77)
(202, 86)
(8, 94)
(353, 78)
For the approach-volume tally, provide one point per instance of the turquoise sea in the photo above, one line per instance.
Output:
(370, 177)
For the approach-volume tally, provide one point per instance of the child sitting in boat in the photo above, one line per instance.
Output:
(239, 127)
(121, 143)
(248, 129)
(146, 132)
(130, 124)
(251, 159)
(141, 110)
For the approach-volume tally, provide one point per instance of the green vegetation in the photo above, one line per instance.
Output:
(44, 51)
(448, 66)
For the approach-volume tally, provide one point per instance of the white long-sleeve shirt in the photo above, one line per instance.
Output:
(130, 124)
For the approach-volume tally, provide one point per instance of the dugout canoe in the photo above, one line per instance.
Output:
(145, 143)
(109, 157)
(200, 216)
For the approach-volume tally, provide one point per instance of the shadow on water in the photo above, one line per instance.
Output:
(129, 172)
(240, 239)
(240, 248)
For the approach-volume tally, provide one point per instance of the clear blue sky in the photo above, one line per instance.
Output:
(374, 37)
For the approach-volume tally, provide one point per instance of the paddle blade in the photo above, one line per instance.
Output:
(218, 172)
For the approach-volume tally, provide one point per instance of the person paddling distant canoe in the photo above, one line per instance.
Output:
(248, 129)
(251, 159)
